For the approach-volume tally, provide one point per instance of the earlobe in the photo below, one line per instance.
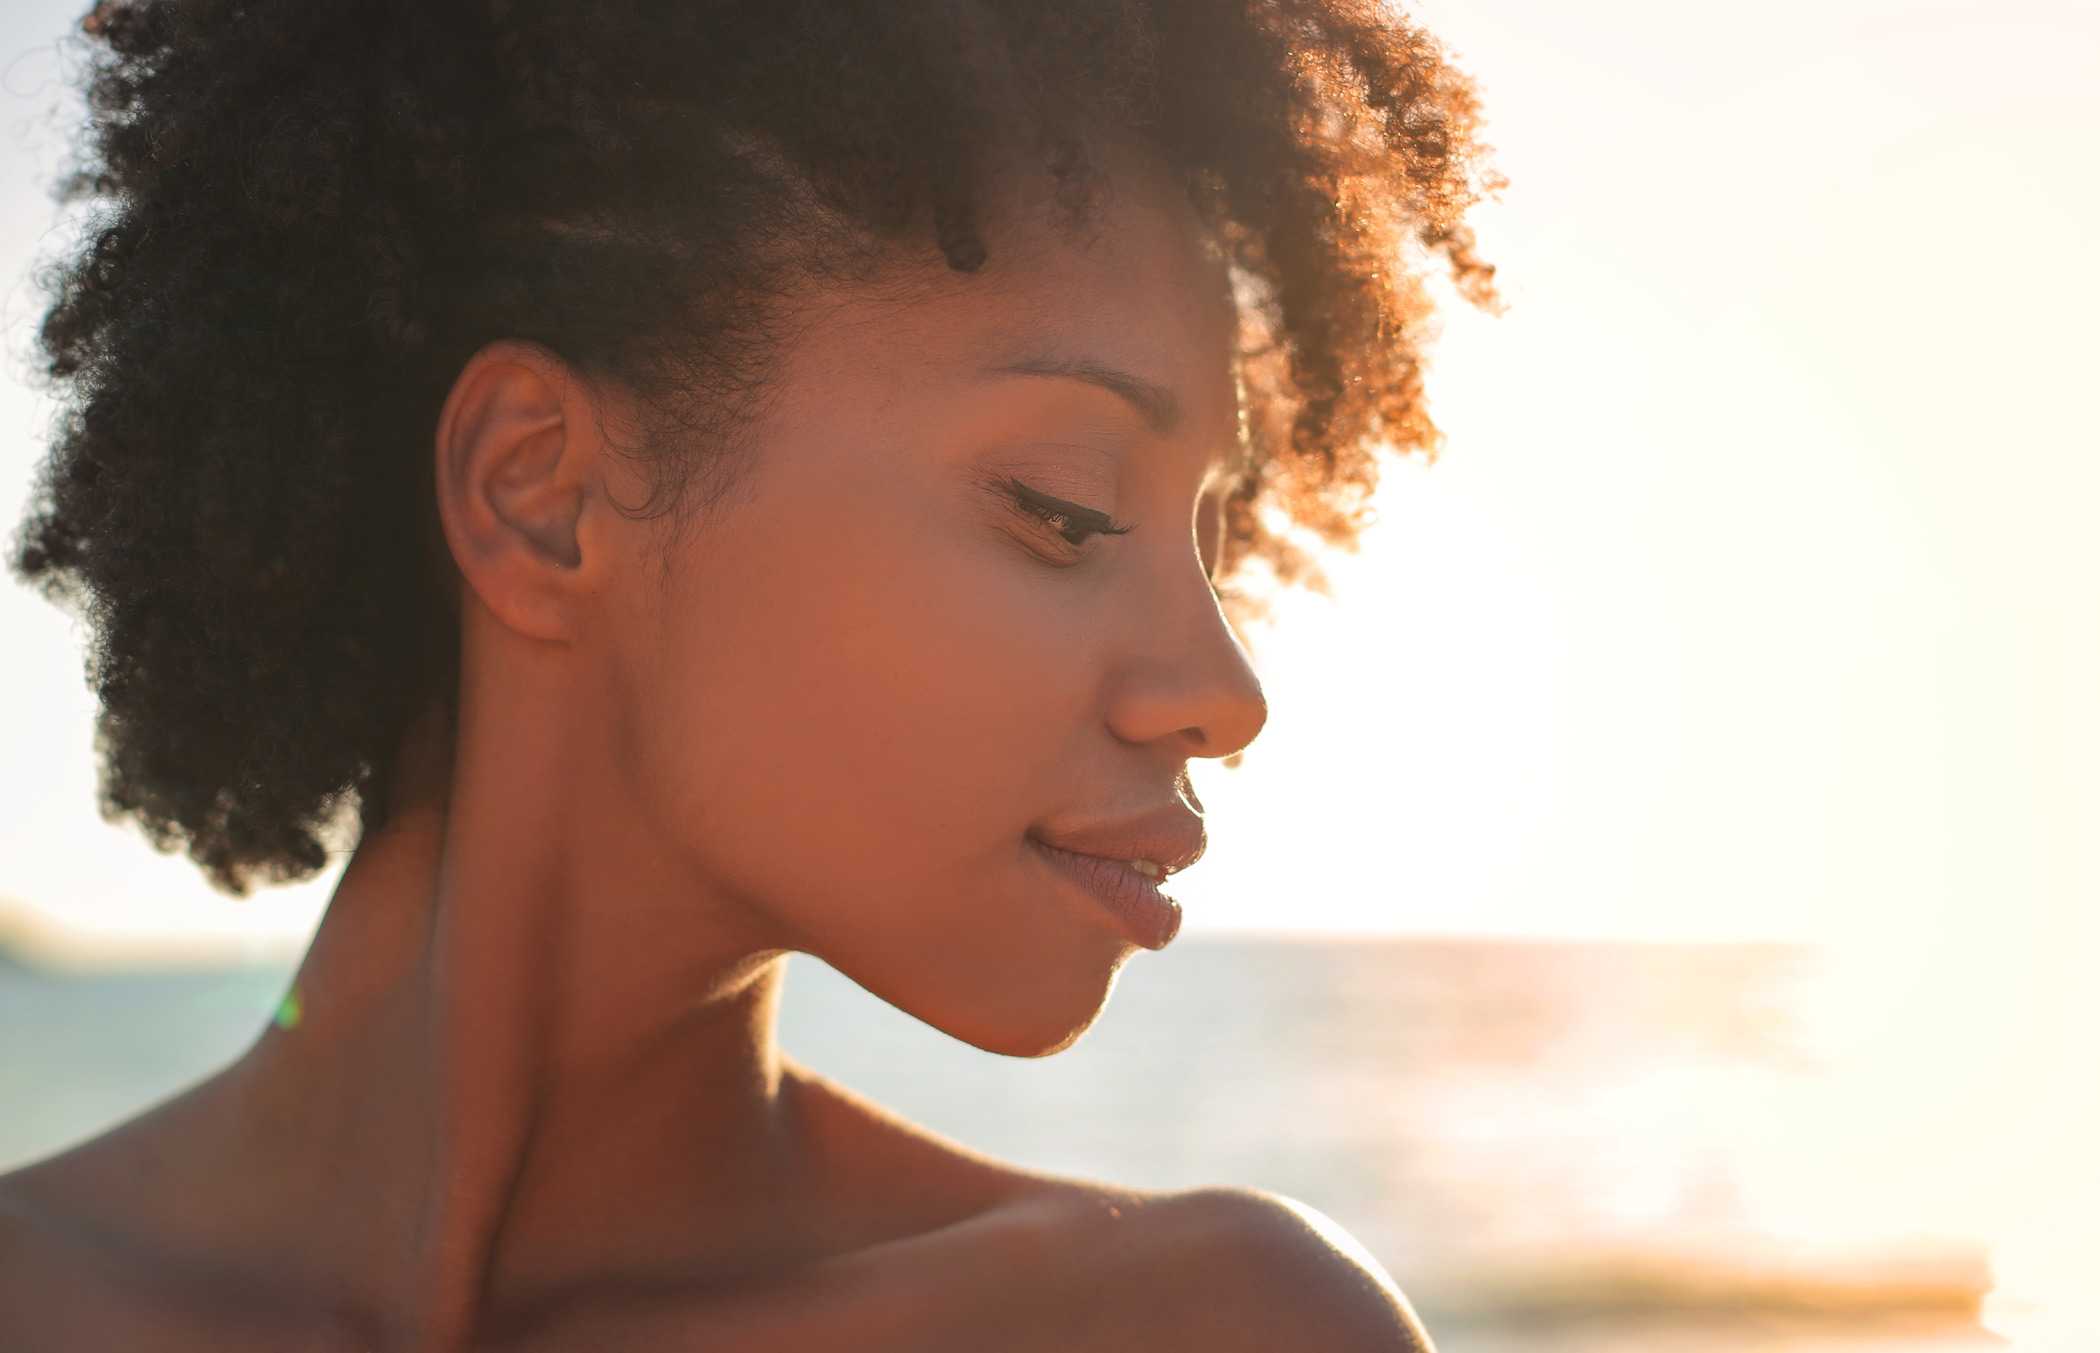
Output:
(513, 463)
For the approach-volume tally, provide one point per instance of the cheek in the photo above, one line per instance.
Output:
(825, 733)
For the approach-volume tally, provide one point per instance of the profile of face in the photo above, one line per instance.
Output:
(873, 672)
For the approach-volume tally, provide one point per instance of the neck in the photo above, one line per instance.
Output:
(513, 1071)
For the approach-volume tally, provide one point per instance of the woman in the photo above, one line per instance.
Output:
(705, 482)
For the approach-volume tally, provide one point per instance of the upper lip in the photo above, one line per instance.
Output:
(1172, 837)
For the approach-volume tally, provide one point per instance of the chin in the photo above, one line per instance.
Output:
(1041, 1013)
(1021, 973)
(1045, 1041)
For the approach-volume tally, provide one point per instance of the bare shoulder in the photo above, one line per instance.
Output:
(30, 1230)
(14, 1243)
(36, 1283)
(1275, 1272)
(1089, 1265)
(1222, 1270)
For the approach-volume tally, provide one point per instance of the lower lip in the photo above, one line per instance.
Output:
(1147, 915)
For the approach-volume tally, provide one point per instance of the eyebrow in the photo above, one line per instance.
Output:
(1162, 412)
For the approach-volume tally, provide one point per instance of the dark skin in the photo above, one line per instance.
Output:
(535, 1099)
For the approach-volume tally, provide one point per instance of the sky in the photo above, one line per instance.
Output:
(1751, 597)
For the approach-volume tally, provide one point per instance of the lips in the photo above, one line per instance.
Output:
(1147, 916)
(1171, 836)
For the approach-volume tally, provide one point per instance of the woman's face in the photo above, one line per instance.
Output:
(873, 674)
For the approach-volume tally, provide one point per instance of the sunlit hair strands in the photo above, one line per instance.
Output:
(308, 215)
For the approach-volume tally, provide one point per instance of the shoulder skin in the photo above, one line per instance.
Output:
(1287, 1276)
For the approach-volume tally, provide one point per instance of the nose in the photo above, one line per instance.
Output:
(1187, 678)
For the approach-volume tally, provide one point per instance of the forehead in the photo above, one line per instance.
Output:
(1139, 289)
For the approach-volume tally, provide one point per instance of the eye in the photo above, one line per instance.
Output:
(1073, 523)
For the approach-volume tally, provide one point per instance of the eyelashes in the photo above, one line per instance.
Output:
(1079, 524)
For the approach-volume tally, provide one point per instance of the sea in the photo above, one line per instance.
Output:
(1578, 1147)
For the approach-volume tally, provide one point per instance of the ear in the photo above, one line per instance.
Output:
(519, 465)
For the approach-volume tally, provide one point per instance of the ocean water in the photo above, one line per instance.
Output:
(1576, 1147)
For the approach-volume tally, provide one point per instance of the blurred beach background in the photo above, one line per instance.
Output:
(1662, 910)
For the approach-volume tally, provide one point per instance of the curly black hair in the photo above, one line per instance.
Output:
(308, 214)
